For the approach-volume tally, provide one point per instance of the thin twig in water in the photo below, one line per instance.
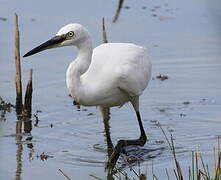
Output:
(134, 172)
(155, 177)
(165, 136)
(190, 173)
(197, 167)
(178, 171)
(120, 4)
(204, 167)
(193, 176)
(178, 168)
(95, 177)
(175, 174)
(152, 171)
(65, 175)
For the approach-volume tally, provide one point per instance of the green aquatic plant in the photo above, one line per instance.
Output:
(198, 169)
(4, 108)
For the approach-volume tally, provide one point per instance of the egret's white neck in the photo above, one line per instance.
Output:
(84, 55)
(78, 67)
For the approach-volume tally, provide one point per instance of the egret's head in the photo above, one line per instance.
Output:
(69, 35)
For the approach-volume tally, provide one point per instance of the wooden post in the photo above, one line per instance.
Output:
(104, 34)
(18, 83)
(28, 96)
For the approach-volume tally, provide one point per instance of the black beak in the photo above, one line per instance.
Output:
(52, 43)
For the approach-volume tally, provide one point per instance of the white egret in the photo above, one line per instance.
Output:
(111, 74)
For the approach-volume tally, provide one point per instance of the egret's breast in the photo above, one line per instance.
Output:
(108, 97)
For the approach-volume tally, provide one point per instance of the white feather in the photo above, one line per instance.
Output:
(110, 75)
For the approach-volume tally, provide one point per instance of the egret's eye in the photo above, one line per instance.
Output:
(71, 34)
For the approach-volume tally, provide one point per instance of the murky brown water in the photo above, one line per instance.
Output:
(184, 44)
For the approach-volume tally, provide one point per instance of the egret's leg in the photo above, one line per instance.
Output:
(119, 148)
(105, 111)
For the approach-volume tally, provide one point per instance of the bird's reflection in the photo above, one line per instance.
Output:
(108, 137)
(23, 127)
(109, 146)
(109, 168)
(133, 155)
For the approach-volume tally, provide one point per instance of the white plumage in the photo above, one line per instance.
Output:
(110, 75)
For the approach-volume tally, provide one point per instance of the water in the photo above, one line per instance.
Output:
(184, 43)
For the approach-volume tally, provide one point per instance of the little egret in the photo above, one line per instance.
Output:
(109, 75)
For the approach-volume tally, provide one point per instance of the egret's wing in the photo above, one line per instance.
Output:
(119, 65)
(135, 74)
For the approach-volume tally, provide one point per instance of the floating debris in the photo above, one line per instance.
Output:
(4, 108)
(142, 177)
(162, 77)
(170, 130)
(33, 19)
(154, 121)
(44, 156)
(159, 141)
(3, 19)
(29, 138)
(36, 117)
(182, 115)
(126, 7)
(164, 18)
(99, 148)
(90, 114)
(30, 146)
(186, 102)
(64, 151)
(157, 7)
(162, 110)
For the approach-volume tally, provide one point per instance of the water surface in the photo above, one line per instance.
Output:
(184, 43)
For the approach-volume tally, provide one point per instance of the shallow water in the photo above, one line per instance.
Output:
(184, 43)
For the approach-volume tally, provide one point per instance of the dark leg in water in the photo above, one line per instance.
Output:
(119, 148)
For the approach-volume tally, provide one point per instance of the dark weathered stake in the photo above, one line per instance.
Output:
(104, 34)
(28, 96)
(22, 111)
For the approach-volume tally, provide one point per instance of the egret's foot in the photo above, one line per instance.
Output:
(119, 148)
